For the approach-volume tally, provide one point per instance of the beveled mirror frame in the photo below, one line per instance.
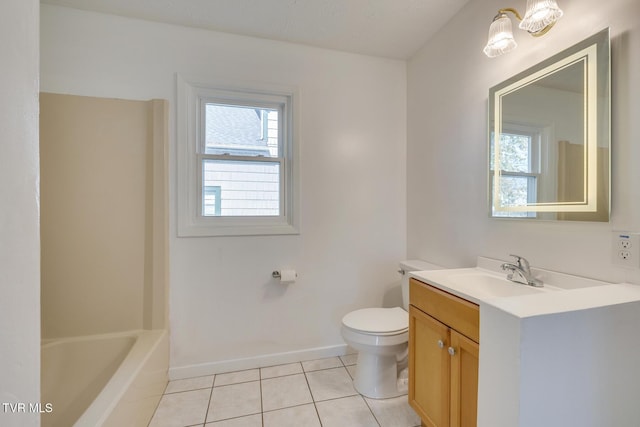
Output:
(594, 203)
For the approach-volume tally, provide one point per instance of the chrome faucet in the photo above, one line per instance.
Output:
(520, 272)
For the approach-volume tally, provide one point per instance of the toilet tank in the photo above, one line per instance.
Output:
(405, 268)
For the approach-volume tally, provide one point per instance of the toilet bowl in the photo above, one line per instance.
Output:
(381, 335)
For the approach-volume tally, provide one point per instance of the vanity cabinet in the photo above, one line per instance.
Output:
(443, 357)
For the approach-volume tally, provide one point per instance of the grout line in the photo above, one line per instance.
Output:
(313, 400)
(239, 382)
(337, 398)
(235, 372)
(164, 393)
(280, 376)
(297, 405)
(206, 414)
(310, 391)
(228, 419)
(261, 404)
(317, 413)
(184, 391)
(371, 410)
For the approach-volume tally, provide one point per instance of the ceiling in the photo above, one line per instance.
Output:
(387, 28)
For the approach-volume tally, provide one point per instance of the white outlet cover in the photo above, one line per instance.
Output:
(625, 249)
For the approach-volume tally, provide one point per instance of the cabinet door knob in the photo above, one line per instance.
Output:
(440, 343)
(452, 351)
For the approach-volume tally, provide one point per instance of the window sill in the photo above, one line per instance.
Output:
(236, 227)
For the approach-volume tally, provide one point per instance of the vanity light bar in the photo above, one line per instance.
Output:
(538, 19)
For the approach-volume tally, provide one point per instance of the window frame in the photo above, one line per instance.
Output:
(192, 97)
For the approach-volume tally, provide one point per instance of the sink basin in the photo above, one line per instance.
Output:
(486, 285)
(477, 284)
(553, 280)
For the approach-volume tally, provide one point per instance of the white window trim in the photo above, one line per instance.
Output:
(191, 222)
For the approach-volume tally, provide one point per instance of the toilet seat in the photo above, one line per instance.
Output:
(377, 321)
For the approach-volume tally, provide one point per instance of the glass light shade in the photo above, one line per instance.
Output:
(540, 16)
(500, 37)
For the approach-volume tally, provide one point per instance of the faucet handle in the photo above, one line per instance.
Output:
(521, 261)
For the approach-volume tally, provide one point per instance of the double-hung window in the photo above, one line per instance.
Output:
(236, 161)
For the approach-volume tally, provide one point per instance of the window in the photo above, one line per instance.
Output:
(519, 170)
(236, 161)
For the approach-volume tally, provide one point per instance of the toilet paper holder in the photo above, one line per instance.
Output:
(277, 275)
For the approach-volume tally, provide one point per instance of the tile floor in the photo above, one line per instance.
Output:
(317, 393)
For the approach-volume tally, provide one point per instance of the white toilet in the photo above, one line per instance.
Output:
(381, 335)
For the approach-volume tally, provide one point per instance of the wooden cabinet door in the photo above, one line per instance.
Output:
(464, 381)
(429, 368)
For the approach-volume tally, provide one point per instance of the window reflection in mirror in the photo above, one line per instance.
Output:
(520, 168)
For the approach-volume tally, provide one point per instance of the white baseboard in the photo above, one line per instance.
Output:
(201, 369)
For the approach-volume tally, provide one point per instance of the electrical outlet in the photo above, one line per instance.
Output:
(624, 255)
(626, 249)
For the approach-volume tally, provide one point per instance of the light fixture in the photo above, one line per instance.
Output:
(539, 17)
(500, 35)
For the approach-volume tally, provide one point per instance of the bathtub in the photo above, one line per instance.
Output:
(104, 380)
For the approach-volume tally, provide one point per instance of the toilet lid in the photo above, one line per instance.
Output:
(377, 320)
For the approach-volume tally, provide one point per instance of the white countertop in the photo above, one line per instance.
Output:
(487, 284)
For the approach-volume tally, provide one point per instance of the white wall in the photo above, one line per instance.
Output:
(223, 303)
(19, 225)
(448, 85)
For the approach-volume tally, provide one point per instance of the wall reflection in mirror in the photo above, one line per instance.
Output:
(549, 137)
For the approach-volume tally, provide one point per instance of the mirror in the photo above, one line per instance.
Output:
(549, 137)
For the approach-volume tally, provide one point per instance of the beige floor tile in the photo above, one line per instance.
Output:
(394, 412)
(330, 384)
(281, 370)
(196, 383)
(297, 416)
(248, 421)
(349, 411)
(283, 392)
(181, 409)
(237, 377)
(236, 400)
(316, 365)
(349, 359)
(286, 393)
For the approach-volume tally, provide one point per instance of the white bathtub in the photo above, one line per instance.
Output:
(104, 380)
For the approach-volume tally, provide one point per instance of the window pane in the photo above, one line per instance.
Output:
(241, 131)
(515, 153)
(211, 200)
(516, 191)
(243, 188)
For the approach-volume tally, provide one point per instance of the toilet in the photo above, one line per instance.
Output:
(381, 336)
